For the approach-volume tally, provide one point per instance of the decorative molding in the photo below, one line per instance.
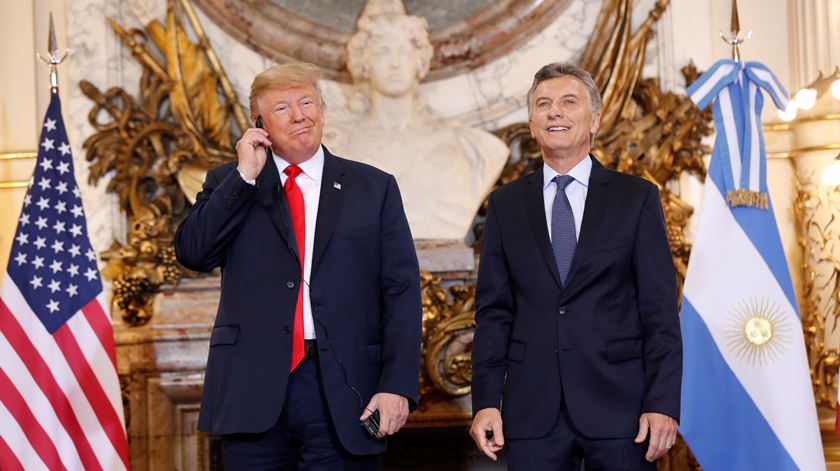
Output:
(276, 32)
(14, 184)
(29, 154)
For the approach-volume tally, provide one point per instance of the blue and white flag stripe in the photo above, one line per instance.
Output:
(722, 434)
(736, 88)
(733, 271)
(747, 401)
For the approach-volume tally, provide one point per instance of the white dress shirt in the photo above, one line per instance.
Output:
(309, 182)
(575, 191)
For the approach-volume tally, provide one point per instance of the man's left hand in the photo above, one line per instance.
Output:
(663, 434)
(393, 412)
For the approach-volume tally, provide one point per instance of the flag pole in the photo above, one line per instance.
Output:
(735, 39)
(53, 58)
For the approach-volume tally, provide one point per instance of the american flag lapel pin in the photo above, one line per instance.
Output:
(337, 185)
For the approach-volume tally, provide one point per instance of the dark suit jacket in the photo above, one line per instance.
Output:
(364, 288)
(608, 343)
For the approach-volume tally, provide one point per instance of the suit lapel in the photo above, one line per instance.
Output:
(535, 207)
(272, 196)
(329, 205)
(597, 199)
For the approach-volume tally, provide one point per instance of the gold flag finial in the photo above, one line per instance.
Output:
(734, 24)
(53, 58)
(735, 39)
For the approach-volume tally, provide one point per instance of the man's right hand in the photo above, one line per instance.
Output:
(488, 420)
(250, 150)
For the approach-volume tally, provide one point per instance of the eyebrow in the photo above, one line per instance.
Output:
(286, 102)
(567, 95)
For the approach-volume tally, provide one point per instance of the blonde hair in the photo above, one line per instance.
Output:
(284, 76)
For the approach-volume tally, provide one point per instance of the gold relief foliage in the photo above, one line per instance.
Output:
(448, 326)
(820, 241)
(152, 148)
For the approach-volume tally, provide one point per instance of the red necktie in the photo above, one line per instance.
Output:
(295, 198)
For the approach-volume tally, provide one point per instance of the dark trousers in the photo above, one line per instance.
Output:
(303, 437)
(564, 448)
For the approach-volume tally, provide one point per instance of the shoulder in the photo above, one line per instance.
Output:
(629, 183)
(485, 144)
(518, 185)
(361, 170)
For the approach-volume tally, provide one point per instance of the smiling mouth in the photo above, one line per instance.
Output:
(558, 129)
(301, 130)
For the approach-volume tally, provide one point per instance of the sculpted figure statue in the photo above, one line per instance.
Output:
(444, 169)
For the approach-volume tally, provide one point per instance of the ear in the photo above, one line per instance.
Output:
(596, 123)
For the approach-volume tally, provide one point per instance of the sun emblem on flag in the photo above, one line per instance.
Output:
(758, 332)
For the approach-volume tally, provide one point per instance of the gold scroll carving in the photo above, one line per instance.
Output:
(819, 238)
(158, 147)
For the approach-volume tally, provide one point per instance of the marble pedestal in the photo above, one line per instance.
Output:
(161, 367)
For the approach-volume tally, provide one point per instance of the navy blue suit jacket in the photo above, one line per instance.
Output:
(364, 288)
(608, 342)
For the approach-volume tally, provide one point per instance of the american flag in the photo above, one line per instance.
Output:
(60, 403)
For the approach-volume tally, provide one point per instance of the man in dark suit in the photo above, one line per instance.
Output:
(577, 351)
(318, 323)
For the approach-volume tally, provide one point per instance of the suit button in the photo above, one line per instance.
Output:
(561, 310)
(287, 330)
(556, 351)
(290, 284)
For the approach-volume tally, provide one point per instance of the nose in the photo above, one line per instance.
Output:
(395, 59)
(556, 109)
(296, 114)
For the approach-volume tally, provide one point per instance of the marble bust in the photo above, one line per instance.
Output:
(444, 169)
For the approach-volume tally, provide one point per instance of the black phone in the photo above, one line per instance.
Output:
(259, 123)
(371, 425)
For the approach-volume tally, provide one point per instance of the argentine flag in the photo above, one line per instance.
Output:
(747, 402)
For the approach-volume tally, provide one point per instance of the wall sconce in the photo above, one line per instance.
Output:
(807, 97)
(831, 174)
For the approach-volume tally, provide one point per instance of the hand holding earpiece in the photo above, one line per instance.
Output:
(251, 152)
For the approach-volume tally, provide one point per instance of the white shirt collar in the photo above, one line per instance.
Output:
(312, 167)
(579, 172)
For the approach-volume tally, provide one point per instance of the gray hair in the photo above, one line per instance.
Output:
(560, 69)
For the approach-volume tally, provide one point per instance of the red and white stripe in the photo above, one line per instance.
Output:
(60, 403)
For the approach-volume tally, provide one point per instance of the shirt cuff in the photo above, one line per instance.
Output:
(250, 182)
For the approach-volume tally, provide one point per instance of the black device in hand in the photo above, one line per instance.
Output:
(259, 123)
(371, 425)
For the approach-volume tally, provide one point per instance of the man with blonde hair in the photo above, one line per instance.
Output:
(318, 328)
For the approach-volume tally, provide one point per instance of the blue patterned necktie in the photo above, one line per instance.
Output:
(563, 235)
